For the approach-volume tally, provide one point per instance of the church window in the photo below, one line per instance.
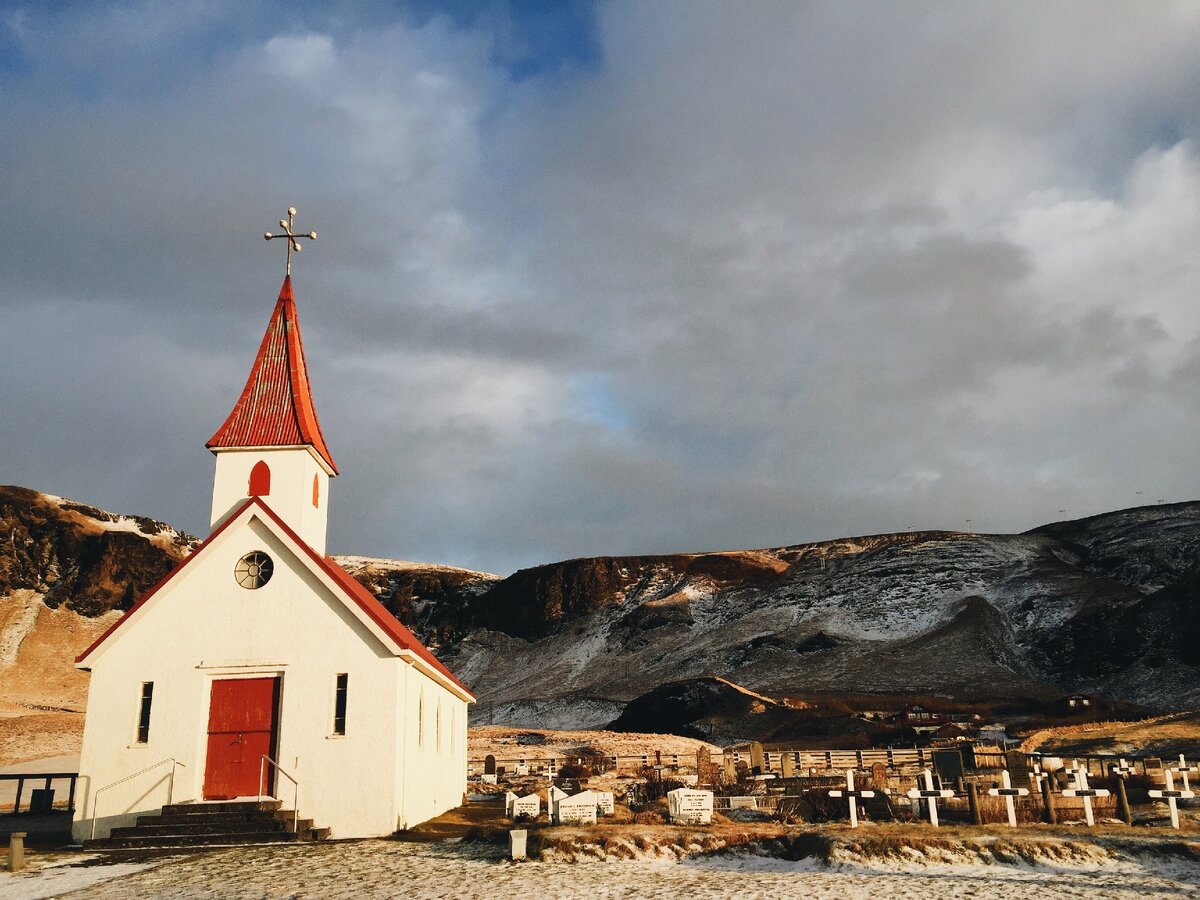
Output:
(253, 570)
(143, 733)
(260, 479)
(339, 704)
(316, 491)
(421, 719)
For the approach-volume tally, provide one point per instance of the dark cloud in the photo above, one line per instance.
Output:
(648, 277)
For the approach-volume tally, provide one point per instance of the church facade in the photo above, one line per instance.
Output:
(259, 667)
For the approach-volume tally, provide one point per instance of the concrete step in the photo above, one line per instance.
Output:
(224, 806)
(276, 815)
(192, 840)
(265, 826)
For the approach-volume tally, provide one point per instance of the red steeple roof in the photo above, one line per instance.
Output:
(276, 407)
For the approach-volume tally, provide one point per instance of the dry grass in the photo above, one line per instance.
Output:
(506, 743)
(1158, 735)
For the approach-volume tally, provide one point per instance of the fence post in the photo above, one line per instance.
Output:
(973, 803)
(1124, 813)
(1051, 815)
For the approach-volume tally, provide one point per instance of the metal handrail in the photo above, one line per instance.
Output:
(170, 786)
(262, 768)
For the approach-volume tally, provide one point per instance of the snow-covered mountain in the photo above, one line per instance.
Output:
(1106, 605)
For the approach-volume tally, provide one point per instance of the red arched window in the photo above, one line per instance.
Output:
(316, 491)
(260, 480)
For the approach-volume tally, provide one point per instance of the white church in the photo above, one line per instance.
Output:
(259, 667)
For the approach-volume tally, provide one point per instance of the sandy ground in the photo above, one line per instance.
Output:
(502, 742)
(369, 869)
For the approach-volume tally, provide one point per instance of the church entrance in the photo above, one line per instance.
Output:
(242, 728)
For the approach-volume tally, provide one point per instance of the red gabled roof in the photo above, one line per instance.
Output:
(276, 407)
(363, 598)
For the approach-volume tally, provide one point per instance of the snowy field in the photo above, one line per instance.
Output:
(368, 869)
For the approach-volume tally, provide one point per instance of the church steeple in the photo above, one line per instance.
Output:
(276, 406)
(271, 445)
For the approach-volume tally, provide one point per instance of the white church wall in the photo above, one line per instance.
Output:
(291, 497)
(203, 626)
(432, 776)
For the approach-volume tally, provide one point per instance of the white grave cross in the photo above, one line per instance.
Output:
(1171, 795)
(931, 794)
(853, 796)
(1007, 791)
(1183, 768)
(1085, 792)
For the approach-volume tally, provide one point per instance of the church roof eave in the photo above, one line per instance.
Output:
(275, 408)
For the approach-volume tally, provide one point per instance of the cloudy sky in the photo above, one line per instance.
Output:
(612, 278)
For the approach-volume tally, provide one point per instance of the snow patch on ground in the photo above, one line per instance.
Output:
(66, 875)
(17, 623)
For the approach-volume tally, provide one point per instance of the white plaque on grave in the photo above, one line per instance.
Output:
(688, 807)
(488, 779)
(577, 810)
(520, 770)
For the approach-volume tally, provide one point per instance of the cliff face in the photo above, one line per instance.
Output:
(79, 557)
(1109, 605)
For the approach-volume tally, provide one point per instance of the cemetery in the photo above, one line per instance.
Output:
(668, 803)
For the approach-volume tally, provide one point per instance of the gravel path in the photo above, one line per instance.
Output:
(370, 869)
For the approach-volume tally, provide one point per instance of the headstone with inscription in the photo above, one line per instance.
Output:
(605, 804)
(529, 805)
(577, 810)
(688, 807)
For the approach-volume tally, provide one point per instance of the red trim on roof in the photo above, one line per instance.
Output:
(365, 600)
(276, 406)
(154, 590)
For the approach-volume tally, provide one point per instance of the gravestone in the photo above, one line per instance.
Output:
(743, 803)
(730, 765)
(930, 794)
(758, 765)
(1171, 795)
(949, 765)
(1007, 791)
(605, 804)
(1017, 764)
(520, 770)
(489, 765)
(853, 795)
(553, 796)
(488, 779)
(516, 843)
(1087, 793)
(509, 799)
(787, 765)
(703, 764)
(529, 805)
(879, 777)
(688, 807)
(577, 810)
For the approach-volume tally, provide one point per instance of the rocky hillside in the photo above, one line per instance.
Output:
(1106, 605)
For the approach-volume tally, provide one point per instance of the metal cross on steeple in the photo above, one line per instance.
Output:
(292, 242)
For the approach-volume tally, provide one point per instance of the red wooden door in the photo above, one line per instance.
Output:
(241, 729)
